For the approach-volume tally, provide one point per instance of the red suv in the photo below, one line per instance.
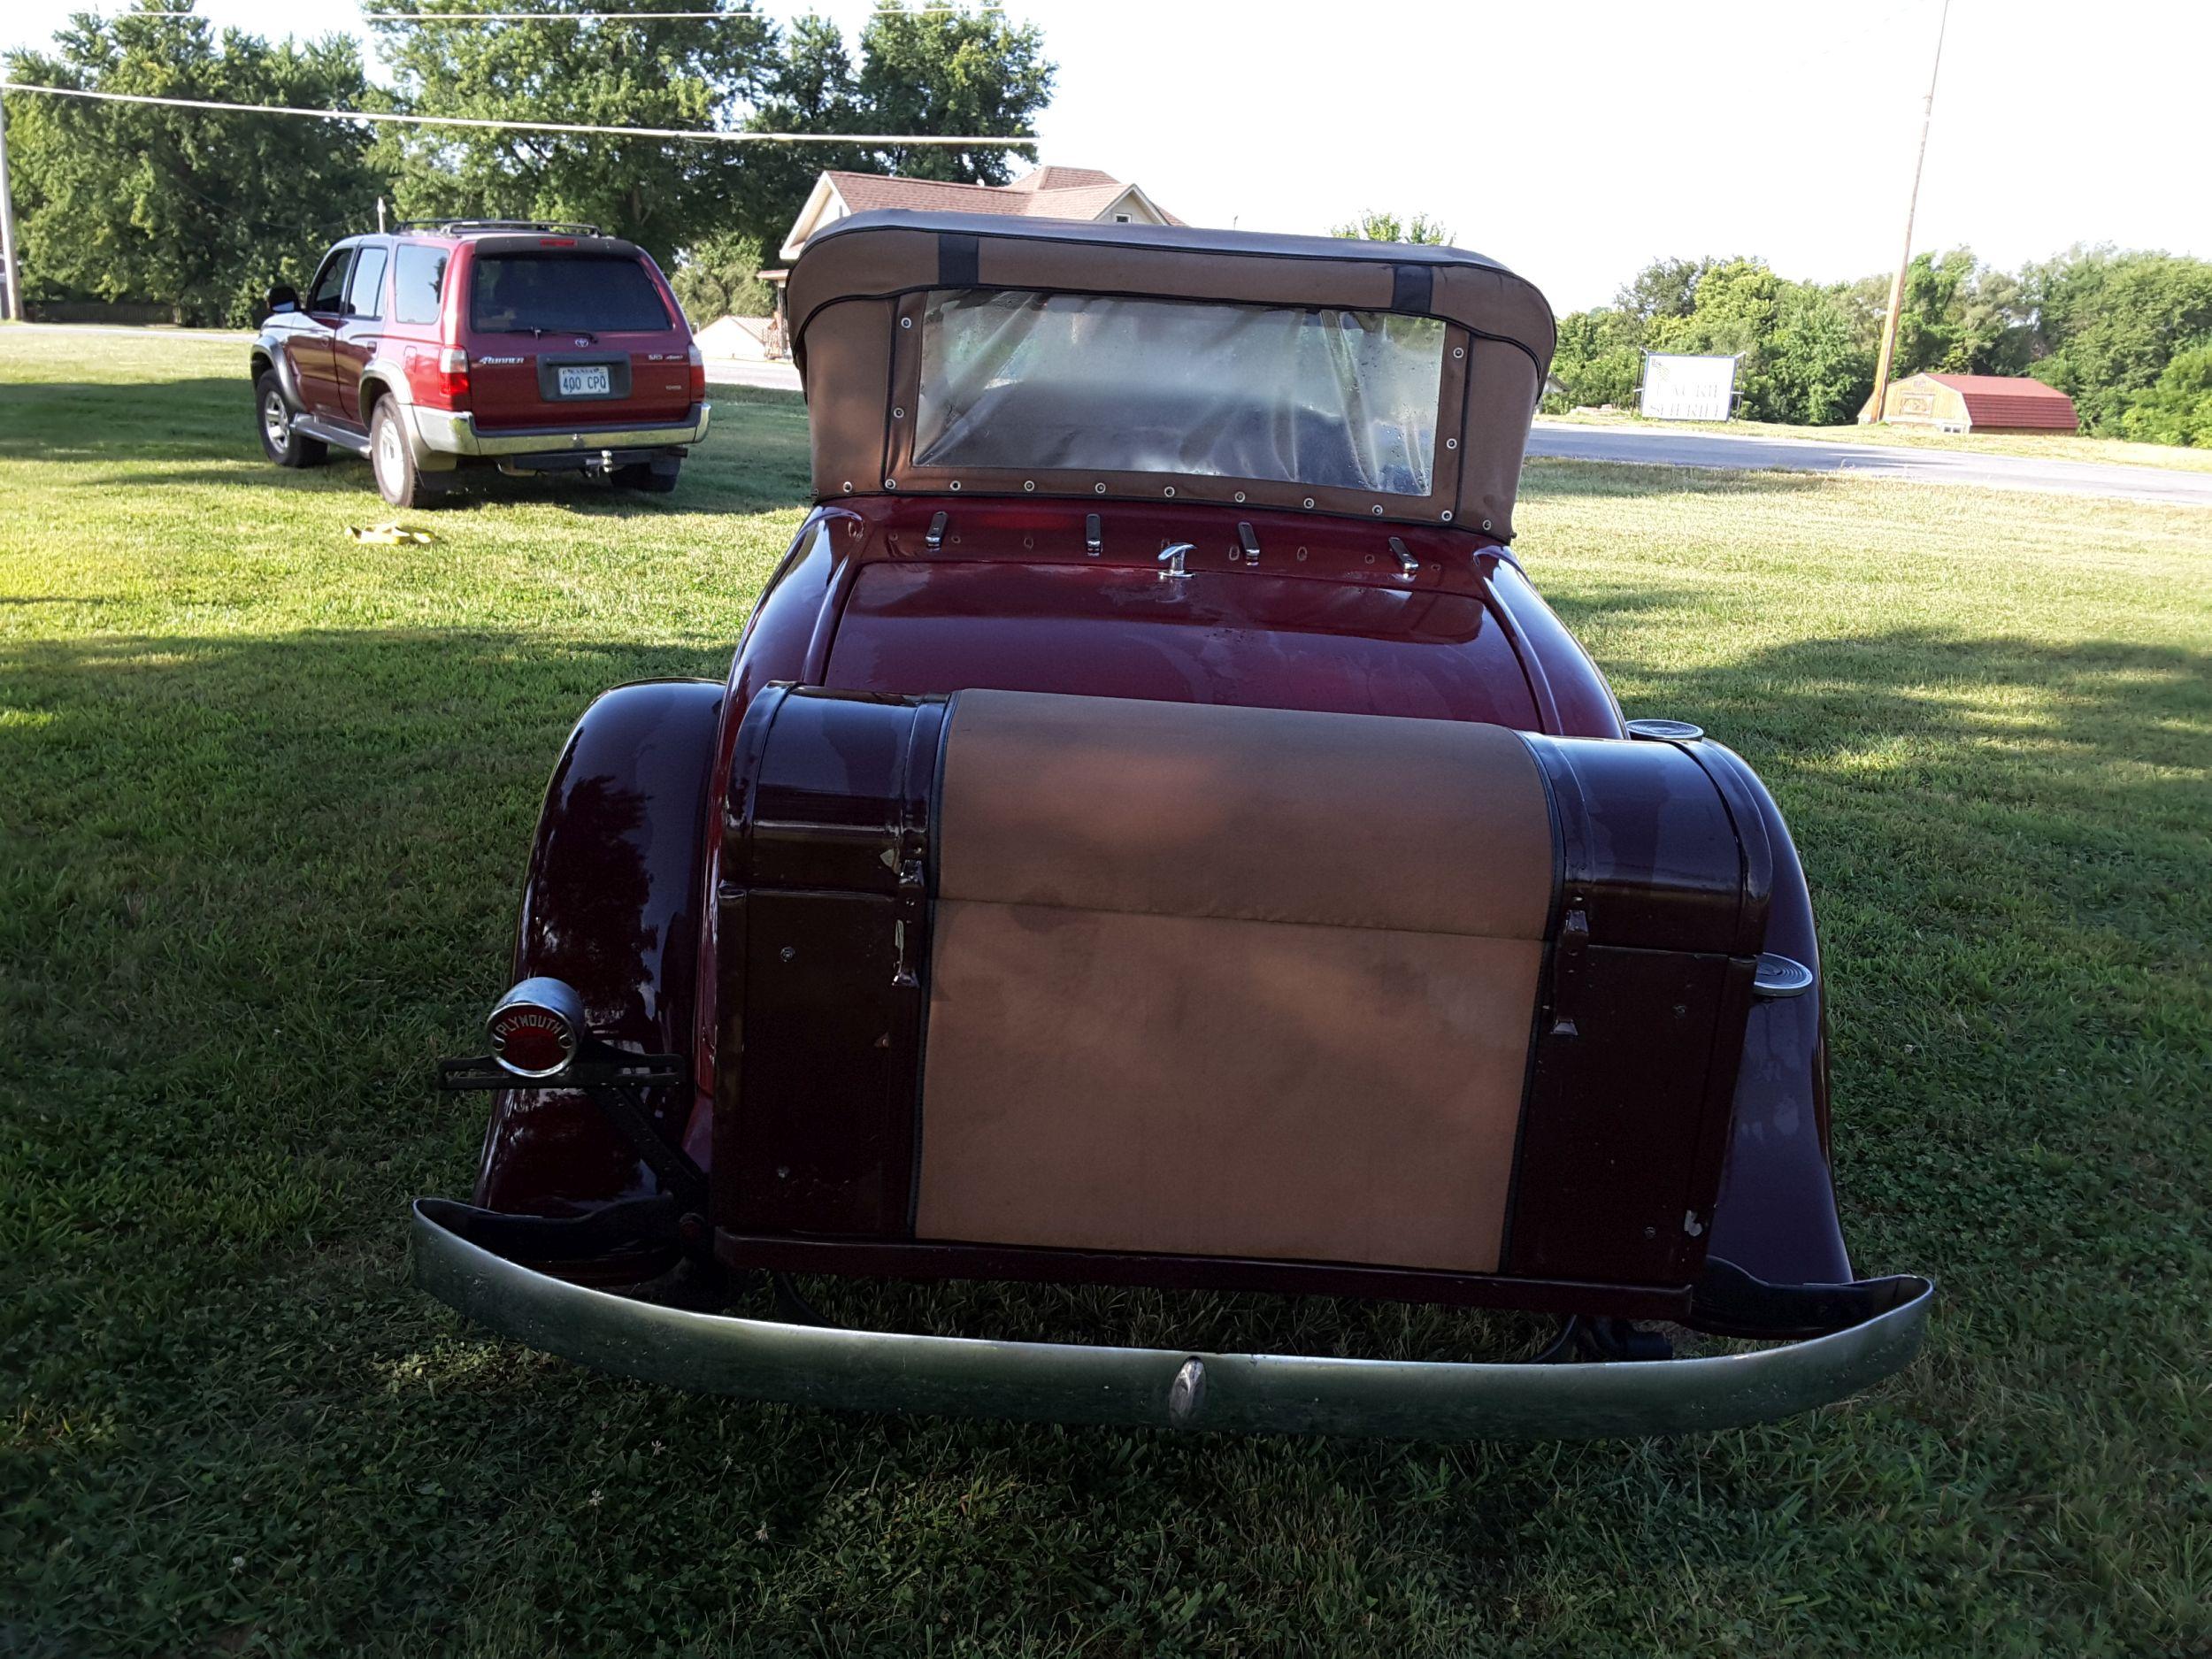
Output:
(534, 347)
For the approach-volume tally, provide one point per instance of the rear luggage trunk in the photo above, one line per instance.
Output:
(567, 338)
(1027, 984)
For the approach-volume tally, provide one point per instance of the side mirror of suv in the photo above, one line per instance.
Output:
(284, 297)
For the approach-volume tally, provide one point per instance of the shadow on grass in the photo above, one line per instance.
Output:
(271, 880)
(754, 458)
(207, 419)
(2030, 718)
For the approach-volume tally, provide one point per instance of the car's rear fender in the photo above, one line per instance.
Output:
(384, 379)
(1775, 1214)
(609, 906)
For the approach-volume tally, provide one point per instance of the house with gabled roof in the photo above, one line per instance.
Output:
(1073, 193)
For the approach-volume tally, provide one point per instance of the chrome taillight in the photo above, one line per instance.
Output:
(537, 1029)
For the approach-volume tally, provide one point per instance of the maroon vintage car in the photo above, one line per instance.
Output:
(1154, 834)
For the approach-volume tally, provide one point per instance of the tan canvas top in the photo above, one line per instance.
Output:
(868, 290)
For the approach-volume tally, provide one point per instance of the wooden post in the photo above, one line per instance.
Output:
(1912, 205)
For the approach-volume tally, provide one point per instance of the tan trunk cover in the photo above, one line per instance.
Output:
(1226, 982)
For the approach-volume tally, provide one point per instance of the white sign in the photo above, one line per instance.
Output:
(1688, 388)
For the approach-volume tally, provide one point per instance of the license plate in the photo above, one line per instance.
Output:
(584, 383)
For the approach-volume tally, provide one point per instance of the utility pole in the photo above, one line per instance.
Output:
(1912, 205)
(9, 273)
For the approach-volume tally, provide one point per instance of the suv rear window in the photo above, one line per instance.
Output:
(558, 293)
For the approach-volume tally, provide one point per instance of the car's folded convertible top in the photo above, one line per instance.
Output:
(865, 297)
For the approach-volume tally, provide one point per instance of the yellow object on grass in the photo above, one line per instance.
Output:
(390, 536)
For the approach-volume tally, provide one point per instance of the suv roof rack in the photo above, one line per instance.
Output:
(562, 226)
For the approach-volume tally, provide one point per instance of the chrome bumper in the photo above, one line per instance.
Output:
(453, 432)
(873, 1371)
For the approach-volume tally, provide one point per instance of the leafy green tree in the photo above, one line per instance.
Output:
(1417, 228)
(1665, 288)
(1737, 305)
(1600, 360)
(940, 71)
(1818, 370)
(2178, 408)
(721, 278)
(937, 69)
(188, 208)
(675, 73)
(1957, 316)
(2108, 324)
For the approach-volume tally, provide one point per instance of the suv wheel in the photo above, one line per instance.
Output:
(397, 478)
(279, 441)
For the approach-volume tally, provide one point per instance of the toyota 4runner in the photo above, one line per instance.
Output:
(529, 347)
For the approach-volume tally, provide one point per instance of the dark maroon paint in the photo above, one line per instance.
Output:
(1012, 598)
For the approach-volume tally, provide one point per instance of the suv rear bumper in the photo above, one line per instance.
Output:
(453, 433)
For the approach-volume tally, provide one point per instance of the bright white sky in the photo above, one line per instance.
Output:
(1577, 141)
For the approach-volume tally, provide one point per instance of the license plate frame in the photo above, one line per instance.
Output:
(584, 380)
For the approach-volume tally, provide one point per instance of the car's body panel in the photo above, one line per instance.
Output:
(740, 886)
(610, 905)
(337, 361)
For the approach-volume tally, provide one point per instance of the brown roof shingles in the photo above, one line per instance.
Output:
(2005, 400)
(1081, 193)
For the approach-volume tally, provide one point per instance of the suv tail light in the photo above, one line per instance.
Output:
(438, 380)
(698, 375)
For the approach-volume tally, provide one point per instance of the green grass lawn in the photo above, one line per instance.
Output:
(2047, 446)
(265, 797)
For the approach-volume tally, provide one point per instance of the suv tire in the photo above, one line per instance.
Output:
(279, 441)
(646, 476)
(393, 461)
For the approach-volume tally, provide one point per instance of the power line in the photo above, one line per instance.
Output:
(394, 118)
(483, 17)
(563, 17)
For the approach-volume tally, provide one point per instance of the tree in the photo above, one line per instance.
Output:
(1599, 358)
(2178, 408)
(1665, 288)
(672, 73)
(721, 278)
(938, 72)
(2108, 324)
(943, 70)
(1417, 228)
(188, 208)
(1818, 371)
(1957, 316)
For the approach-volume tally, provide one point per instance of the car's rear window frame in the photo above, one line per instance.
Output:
(486, 261)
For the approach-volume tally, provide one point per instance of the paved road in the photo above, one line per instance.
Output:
(1639, 444)
(731, 371)
(1636, 444)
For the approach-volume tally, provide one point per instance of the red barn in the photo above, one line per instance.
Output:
(1977, 402)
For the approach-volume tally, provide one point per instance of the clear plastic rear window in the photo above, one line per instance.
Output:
(552, 294)
(1090, 382)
